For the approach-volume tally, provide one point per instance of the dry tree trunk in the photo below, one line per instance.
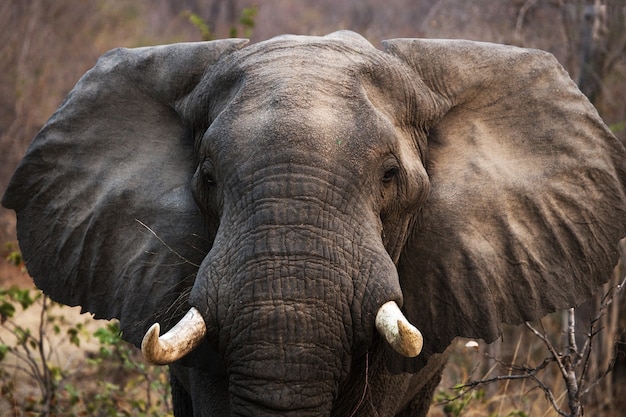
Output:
(603, 44)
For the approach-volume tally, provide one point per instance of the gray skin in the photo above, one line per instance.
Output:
(289, 188)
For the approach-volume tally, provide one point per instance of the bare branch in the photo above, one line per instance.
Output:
(523, 372)
(571, 330)
(607, 371)
(521, 16)
(558, 358)
(548, 393)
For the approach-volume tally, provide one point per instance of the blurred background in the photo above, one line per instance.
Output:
(46, 45)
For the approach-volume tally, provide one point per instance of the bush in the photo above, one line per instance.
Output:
(46, 369)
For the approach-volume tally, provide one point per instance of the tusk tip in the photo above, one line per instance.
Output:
(150, 344)
(181, 339)
(411, 340)
(405, 338)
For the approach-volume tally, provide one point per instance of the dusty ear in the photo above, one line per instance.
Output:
(106, 219)
(527, 199)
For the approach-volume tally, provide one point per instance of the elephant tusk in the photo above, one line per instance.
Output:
(184, 337)
(399, 333)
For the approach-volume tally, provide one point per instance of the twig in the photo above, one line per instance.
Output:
(356, 408)
(506, 385)
(548, 393)
(521, 16)
(524, 372)
(178, 255)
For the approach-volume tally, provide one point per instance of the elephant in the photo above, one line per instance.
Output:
(303, 226)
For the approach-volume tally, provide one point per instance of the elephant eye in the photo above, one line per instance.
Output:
(207, 173)
(209, 180)
(390, 174)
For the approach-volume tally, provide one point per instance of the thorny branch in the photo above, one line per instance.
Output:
(573, 365)
(567, 363)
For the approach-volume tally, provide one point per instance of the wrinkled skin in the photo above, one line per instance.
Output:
(288, 189)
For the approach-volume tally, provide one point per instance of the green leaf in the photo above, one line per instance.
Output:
(4, 349)
(15, 258)
(21, 334)
(247, 17)
(22, 296)
(618, 127)
(73, 335)
(200, 24)
(7, 310)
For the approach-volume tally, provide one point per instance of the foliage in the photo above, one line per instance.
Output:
(618, 127)
(37, 378)
(454, 405)
(13, 256)
(200, 24)
(246, 24)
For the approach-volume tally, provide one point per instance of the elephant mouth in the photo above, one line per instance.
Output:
(190, 331)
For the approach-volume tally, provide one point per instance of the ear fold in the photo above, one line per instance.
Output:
(106, 219)
(528, 192)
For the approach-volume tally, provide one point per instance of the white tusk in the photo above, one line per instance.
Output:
(184, 337)
(399, 333)
(472, 344)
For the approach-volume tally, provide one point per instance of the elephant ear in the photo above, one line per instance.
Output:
(105, 215)
(527, 200)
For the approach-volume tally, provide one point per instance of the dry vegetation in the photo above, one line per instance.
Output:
(48, 44)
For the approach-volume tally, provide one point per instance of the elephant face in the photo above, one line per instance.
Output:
(288, 196)
(335, 170)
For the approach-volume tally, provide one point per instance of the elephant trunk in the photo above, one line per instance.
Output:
(297, 372)
(286, 337)
(270, 378)
(269, 398)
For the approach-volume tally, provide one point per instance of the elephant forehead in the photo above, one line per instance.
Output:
(339, 131)
(298, 71)
(308, 107)
(327, 97)
(303, 76)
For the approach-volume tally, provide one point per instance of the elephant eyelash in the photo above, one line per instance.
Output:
(208, 180)
(207, 173)
(390, 174)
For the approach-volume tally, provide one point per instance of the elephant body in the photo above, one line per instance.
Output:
(282, 196)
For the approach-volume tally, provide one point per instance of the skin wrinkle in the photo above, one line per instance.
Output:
(323, 178)
(338, 218)
(298, 260)
(257, 309)
(323, 243)
(323, 234)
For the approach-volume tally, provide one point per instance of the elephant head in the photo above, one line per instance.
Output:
(279, 195)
